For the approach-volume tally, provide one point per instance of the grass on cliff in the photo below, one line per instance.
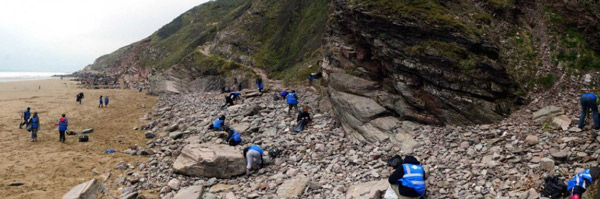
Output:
(431, 11)
(292, 38)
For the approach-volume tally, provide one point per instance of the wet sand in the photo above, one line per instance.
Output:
(50, 168)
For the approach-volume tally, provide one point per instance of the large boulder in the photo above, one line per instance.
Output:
(367, 190)
(210, 160)
(87, 190)
(293, 187)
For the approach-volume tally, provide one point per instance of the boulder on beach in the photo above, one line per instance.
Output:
(87, 190)
(210, 160)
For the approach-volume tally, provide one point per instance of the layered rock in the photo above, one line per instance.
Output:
(210, 160)
(379, 66)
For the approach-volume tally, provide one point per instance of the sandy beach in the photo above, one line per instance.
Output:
(49, 168)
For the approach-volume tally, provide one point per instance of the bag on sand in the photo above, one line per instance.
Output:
(84, 138)
(29, 127)
(554, 187)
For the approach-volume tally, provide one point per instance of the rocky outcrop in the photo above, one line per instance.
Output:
(88, 190)
(293, 188)
(382, 69)
(210, 160)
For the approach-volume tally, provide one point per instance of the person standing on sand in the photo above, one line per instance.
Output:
(80, 97)
(62, 123)
(101, 101)
(35, 126)
(106, 102)
(26, 116)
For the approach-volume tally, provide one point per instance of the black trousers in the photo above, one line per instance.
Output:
(61, 135)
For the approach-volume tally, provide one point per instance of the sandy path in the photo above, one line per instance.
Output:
(49, 168)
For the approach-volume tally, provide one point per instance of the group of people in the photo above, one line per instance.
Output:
(32, 124)
(103, 103)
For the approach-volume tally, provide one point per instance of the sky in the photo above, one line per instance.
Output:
(67, 35)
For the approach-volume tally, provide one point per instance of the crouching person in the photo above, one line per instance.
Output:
(253, 156)
(581, 181)
(233, 137)
(408, 179)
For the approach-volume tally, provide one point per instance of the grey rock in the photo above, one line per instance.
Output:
(86, 190)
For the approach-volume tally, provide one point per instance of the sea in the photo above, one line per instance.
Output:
(24, 76)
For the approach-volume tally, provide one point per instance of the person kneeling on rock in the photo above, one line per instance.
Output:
(408, 179)
(233, 137)
(580, 182)
(303, 119)
(219, 124)
(228, 100)
(253, 156)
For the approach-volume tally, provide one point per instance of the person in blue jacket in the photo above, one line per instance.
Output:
(259, 84)
(235, 95)
(35, 126)
(219, 123)
(253, 156)
(589, 101)
(62, 123)
(408, 179)
(101, 102)
(284, 94)
(292, 101)
(26, 116)
(105, 101)
(233, 137)
(582, 181)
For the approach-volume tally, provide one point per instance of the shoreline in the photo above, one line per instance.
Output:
(49, 168)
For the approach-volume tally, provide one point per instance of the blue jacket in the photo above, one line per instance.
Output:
(62, 124)
(35, 122)
(413, 178)
(101, 100)
(236, 136)
(292, 98)
(579, 180)
(592, 96)
(284, 94)
(256, 148)
(26, 115)
(106, 100)
(235, 93)
(218, 123)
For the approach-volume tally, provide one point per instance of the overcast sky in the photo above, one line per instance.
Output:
(66, 35)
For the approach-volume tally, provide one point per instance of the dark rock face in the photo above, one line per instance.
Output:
(377, 67)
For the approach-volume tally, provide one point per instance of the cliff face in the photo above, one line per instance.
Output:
(386, 64)
(282, 37)
(386, 67)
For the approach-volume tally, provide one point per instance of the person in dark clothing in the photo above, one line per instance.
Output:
(228, 100)
(408, 179)
(581, 181)
(589, 101)
(303, 118)
(35, 126)
(259, 84)
(233, 137)
(101, 102)
(240, 86)
(26, 116)
(80, 97)
(62, 123)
